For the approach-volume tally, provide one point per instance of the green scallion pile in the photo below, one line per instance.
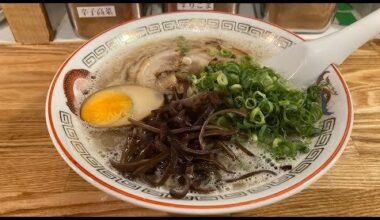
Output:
(281, 118)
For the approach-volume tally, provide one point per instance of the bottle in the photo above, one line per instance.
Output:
(90, 19)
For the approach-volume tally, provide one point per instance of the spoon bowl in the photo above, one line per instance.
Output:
(304, 62)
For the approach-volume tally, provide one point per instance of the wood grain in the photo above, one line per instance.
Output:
(29, 22)
(35, 181)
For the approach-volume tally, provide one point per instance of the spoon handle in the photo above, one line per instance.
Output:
(336, 47)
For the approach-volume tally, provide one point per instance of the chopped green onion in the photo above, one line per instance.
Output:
(276, 110)
(250, 103)
(231, 67)
(225, 53)
(276, 142)
(212, 51)
(247, 124)
(266, 106)
(253, 116)
(284, 102)
(239, 101)
(266, 81)
(222, 79)
(234, 78)
(260, 96)
(254, 137)
(262, 131)
(235, 88)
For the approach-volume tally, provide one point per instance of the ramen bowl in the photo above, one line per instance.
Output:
(263, 39)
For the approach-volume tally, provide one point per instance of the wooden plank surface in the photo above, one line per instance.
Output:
(29, 22)
(35, 181)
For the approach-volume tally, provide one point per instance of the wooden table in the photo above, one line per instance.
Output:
(35, 181)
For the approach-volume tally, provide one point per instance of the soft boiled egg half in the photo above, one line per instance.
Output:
(112, 106)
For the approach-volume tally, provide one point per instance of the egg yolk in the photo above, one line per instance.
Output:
(106, 107)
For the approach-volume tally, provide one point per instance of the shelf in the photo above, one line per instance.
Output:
(65, 32)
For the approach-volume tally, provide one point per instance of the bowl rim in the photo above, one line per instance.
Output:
(189, 209)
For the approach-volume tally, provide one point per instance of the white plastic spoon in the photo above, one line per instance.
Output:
(302, 63)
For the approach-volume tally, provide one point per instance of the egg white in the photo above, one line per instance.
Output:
(144, 100)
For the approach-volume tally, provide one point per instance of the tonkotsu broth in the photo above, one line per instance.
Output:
(113, 71)
(109, 142)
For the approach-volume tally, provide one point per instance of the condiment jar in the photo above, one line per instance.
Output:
(89, 19)
(223, 7)
(301, 17)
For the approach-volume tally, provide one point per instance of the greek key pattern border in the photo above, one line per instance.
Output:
(196, 23)
(67, 125)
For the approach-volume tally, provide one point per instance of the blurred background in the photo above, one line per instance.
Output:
(39, 23)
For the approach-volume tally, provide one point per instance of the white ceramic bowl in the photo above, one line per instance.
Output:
(264, 38)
